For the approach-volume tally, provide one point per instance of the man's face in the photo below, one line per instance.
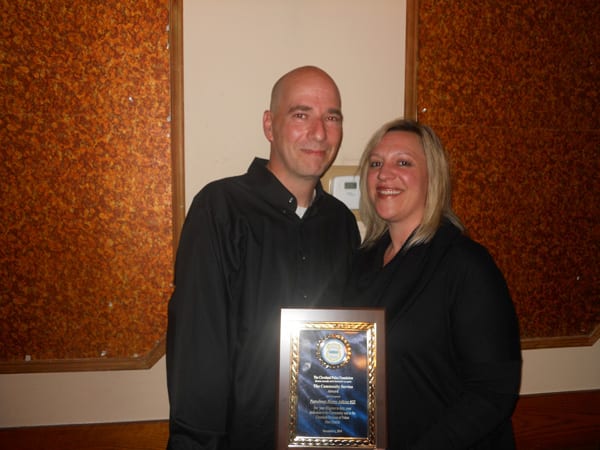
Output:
(304, 127)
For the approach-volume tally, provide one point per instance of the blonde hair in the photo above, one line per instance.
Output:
(439, 191)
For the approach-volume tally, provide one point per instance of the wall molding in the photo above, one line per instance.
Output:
(554, 421)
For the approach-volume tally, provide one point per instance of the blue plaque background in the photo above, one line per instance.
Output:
(332, 402)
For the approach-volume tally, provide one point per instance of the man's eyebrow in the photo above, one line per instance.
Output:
(336, 111)
(295, 108)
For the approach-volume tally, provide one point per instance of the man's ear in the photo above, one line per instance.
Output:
(268, 125)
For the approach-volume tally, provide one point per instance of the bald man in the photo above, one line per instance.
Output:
(252, 244)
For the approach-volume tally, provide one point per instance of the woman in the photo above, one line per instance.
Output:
(453, 351)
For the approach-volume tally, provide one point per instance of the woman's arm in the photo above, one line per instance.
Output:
(486, 344)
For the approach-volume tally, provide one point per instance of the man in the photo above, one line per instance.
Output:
(250, 245)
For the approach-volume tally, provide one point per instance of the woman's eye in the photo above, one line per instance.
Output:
(374, 164)
(404, 163)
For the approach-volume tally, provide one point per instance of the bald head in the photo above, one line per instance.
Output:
(297, 76)
(304, 127)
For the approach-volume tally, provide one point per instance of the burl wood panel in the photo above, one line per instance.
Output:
(513, 90)
(86, 211)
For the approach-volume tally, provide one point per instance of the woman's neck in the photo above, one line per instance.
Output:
(399, 234)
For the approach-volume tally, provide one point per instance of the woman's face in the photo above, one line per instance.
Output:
(397, 179)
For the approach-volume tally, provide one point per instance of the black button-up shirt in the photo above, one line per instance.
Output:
(243, 255)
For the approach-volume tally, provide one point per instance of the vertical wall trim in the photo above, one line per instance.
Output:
(410, 83)
(177, 118)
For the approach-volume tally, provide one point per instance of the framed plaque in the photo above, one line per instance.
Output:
(332, 379)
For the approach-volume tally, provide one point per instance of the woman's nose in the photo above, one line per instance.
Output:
(384, 172)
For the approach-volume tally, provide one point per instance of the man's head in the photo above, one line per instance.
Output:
(303, 125)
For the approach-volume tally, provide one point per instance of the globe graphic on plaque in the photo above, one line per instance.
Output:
(334, 351)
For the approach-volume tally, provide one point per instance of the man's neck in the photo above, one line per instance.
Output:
(302, 188)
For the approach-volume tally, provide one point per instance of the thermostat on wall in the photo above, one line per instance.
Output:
(347, 189)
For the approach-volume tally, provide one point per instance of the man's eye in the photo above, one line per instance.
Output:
(300, 115)
(334, 118)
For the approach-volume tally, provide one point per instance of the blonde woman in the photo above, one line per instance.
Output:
(453, 349)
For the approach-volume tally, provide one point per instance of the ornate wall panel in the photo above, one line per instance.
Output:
(513, 89)
(88, 184)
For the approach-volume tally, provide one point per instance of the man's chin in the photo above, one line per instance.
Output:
(319, 166)
(316, 172)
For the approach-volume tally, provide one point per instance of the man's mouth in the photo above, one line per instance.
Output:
(310, 151)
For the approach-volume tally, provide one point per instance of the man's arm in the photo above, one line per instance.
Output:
(197, 356)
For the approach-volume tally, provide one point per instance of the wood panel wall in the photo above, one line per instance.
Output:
(91, 205)
(512, 88)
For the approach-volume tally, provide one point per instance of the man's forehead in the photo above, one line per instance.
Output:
(312, 89)
(312, 94)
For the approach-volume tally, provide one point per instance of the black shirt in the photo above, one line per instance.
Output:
(453, 351)
(243, 255)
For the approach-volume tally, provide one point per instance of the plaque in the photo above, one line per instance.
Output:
(332, 379)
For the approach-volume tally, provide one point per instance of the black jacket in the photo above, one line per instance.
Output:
(243, 255)
(453, 351)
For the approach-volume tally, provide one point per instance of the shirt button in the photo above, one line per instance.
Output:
(303, 258)
(291, 200)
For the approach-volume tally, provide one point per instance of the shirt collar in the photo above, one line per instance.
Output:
(273, 191)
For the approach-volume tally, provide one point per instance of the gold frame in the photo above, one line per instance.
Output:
(369, 325)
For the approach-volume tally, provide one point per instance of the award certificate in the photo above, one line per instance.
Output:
(331, 379)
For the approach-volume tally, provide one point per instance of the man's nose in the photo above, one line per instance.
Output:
(318, 130)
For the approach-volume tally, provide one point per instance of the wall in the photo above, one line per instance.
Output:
(512, 92)
(86, 248)
(234, 50)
